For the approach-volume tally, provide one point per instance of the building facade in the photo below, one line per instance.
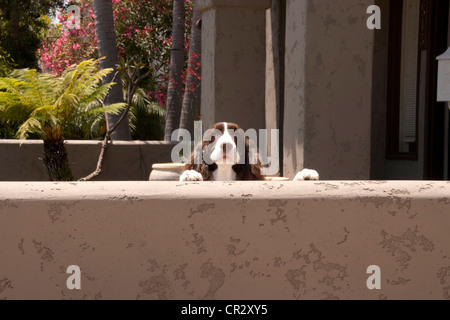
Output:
(351, 85)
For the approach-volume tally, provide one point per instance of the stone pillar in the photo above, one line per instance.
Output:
(328, 88)
(271, 76)
(275, 71)
(233, 62)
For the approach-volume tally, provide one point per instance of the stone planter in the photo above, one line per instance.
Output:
(278, 179)
(166, 171)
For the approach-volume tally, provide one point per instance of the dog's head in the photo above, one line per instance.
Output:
(226, 144)
(222, 144)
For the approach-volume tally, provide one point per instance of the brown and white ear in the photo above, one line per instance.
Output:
(307, 174)
(191, 175)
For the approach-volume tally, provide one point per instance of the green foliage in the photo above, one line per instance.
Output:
(143, 30)
(6, 63)
(43, 105)
(23, 25)
(146, 118)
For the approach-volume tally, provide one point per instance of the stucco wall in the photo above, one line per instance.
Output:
(233, 61)
(123, 160)
(328, 89)
(254, 240)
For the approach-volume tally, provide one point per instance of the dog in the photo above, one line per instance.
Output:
(223, 160)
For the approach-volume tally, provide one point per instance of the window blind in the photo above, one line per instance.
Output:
(408, 80)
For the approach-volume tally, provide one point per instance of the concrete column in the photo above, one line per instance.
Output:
(233, 61)
(275, 70)
(328, 88)
(294, 108)
(271, 76)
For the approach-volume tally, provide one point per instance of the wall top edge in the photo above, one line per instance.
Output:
(378, 191)
(204, 5)
(86, 142)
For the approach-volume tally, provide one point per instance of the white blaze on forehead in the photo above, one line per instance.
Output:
(225, 139)
(226, 134)
(225, 130)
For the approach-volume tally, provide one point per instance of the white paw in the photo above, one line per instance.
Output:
(191, 175)
(307, 174)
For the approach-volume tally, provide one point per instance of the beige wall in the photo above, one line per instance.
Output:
(328, 88)
(123, 160)
(159, 240)
(328, 79)
(233, 62)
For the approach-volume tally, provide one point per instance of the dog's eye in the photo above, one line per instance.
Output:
(213, 138)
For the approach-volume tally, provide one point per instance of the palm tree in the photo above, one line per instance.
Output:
(104, 26)
(192, 92)
(45, 106)
(175, 88)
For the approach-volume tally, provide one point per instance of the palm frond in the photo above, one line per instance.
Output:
(42, 103)
(31, 125)
(114, 108)
(146, 118)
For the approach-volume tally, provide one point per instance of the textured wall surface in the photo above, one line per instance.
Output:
(233, 62)
(122, 161)
(328, 97)
(255, 240)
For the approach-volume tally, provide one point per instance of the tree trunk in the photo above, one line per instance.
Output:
(106, 37)
(175, 88)
(192, 93)
(55, 159)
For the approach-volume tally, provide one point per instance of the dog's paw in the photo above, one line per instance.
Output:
(191, 175)
(307, 174)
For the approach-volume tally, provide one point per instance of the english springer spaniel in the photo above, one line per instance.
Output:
(220, 158)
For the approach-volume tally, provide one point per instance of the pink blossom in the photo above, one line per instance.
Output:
(135, 31)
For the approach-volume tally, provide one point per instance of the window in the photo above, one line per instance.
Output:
(404, 34)
(408, 78)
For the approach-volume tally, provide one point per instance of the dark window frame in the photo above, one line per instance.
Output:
(393, 85)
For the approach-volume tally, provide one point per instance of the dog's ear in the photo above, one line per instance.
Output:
(197, 162)
(253, 159)
(246, 172)
(210, 139)
(251, 169)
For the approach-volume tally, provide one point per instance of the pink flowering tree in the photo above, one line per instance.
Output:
(65, 46)
(143, 35)
(191, 109)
